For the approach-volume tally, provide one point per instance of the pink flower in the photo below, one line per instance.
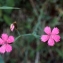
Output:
(5, 41)
(12, 27)
(51, 36)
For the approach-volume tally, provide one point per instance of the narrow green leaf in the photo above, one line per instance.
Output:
(6, 7)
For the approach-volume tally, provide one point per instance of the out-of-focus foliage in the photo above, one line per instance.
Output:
(31, 17)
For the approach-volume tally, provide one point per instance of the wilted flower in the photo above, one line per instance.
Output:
(52, 36)
(12, 27)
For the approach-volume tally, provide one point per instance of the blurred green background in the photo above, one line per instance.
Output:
(31, 16)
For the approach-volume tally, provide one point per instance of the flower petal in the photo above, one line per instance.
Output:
(44, 38)
(47, 30)
(55, 30)
(8, 48)
(1, 41)
(12, 27)
(4, 37)
(51, 42)
(56, 38)
(2, 49)
(10, 39)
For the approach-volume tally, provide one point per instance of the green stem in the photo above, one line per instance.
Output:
(38, 23)
(22, 36)
(26, 54)
(18, 32)
(38, 43)
(34, 7)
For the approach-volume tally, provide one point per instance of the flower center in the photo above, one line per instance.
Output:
(5, 42)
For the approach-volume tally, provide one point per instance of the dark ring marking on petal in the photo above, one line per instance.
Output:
(0, 45)
(9, 43)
